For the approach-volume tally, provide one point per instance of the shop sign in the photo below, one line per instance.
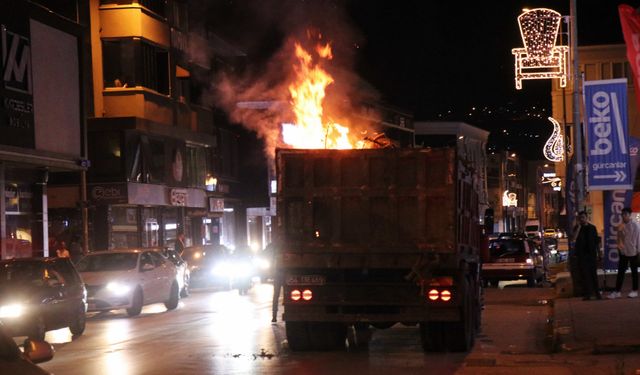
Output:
(17, 115)
(178, 197)
(108, 193)
(216, 204)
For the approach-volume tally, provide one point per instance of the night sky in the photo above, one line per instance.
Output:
(437, 59)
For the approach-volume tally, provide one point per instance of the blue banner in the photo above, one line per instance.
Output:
(607, 134)
(614, 202)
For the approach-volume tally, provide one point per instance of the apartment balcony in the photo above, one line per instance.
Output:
(133, 20)
(154, 107)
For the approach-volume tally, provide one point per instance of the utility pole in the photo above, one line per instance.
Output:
(577, 131)
(577, 128)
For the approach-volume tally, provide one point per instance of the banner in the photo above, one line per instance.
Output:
(630, 21)
(607, 135)
(614, 202)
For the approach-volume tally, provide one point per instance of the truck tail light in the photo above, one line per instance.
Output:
(443, 295)
(306, 295)
(296, 295)
(433, 294)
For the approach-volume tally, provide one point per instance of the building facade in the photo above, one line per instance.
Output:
(160, 164)
(42, 123)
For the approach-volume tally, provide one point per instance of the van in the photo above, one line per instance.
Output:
(532, 228)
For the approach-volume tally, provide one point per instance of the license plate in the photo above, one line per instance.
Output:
(506, 260)
(306, 280)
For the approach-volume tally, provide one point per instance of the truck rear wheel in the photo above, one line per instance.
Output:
(327, 335)
(460, 334)
(298, 336)
(432, 336)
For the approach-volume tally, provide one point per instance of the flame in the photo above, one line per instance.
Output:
(307, 95)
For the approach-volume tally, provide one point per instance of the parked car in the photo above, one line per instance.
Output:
(15, 361)
(182, 268)
(41, 294)
(513, 257)
(129, 279)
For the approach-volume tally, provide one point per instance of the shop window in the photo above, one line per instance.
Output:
(605, 71)
(124, 227)
(151, 228)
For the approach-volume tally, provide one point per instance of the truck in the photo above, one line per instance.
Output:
(369, 238)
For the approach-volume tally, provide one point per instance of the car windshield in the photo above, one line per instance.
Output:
(506, 248)
(21, 272)
(108, 262)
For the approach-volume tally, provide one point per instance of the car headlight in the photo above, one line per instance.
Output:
(221, 269)
(529, 261)
(262, 263)
(11, 311)
(117, 288)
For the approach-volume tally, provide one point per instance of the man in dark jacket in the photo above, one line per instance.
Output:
(587, 253)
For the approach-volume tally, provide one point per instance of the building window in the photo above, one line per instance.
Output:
(156, 6)
(119, 63)
(618, 70)
(155, 68)
(196, 166)
(147, 160)
(132, 62)
(105, 154)
(179, 16)
(590, 72)
(605, 71)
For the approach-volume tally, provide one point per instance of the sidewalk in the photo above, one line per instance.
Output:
(598, 327)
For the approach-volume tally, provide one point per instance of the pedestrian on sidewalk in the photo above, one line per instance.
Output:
(628, 246)
(587, 253)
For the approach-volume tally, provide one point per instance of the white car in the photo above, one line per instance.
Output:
(182, 269)
(128, 279)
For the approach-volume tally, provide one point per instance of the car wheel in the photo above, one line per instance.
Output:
(79, 323)
(174, 297)
(136, 304)
(185, 290)
(39, 330)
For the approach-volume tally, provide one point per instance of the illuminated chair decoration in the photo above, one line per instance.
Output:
(540, 58)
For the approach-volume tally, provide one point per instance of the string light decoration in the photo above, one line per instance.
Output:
(554, 147)
(540, 58)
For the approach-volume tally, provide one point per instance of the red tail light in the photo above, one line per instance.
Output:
(433, 294)
(296, 295)
(445, 295)
(307, 295)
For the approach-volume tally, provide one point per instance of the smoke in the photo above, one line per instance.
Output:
(258, 98)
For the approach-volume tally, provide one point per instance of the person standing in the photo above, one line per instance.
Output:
(587, 254)
(62, 251)
(179, 245)
(628, 246)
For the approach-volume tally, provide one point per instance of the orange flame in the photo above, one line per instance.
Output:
(307, 95)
